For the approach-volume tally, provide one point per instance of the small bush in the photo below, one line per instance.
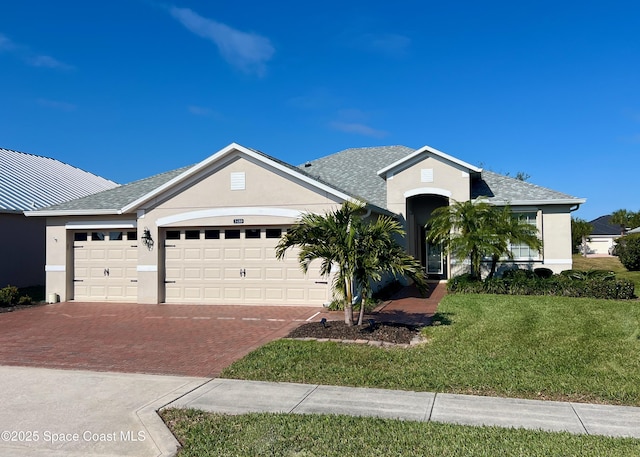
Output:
(543, 273)
(9, 296)
(593, 284)
(628, 251)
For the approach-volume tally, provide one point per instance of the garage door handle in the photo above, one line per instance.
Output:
(78, 280)
(322, 282)
(243, 272)
(169, 282)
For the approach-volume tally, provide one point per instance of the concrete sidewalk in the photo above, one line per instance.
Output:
(238, 397)
(58, 413)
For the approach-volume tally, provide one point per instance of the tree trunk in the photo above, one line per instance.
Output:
(494, 264)
(348, 305)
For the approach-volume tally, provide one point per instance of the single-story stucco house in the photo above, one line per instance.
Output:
(206, 233)
(603, 235)
(29, 182)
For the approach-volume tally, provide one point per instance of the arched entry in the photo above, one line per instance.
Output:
(431, 256)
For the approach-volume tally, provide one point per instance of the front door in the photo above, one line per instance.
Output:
(433, 255)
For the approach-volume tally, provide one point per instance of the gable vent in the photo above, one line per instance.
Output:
(426, 175)
(238, 180)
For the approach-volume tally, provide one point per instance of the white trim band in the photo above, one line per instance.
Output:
(55, 268)
(427, 191)
(240, 211)
(148, 268)
(85, 225)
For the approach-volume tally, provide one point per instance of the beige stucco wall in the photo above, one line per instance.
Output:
(271, 197)
(556, 230)
(447, 176)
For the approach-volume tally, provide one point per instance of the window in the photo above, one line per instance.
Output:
(232, 234)
(273, 233)
(173, 234)
(192, 234)
(132, 236)
(97, 236)
(522, 251)
(115, 236)
(252, 233)
(212, 234)
(80, 236)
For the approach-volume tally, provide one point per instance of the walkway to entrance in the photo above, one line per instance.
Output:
(409, 307)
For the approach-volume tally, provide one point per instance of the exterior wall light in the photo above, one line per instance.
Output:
(146, 239)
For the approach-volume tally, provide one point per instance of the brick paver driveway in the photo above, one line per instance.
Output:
(156, 339)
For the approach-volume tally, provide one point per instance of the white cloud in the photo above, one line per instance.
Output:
(55, 104)
(358, 128)
(25, 54)
(247, 51)
(389, 44)
(356, 121)
(48, 62)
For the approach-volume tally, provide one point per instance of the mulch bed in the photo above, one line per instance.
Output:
(385, 332)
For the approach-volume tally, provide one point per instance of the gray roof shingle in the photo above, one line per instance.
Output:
(28, 181)
(356, 170)
(351, 171)
(118, 198)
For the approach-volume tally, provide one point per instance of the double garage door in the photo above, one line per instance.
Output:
(201, 266)
(236, 265)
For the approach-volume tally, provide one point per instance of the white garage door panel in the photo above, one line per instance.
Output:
(237, 270)
(105, 269)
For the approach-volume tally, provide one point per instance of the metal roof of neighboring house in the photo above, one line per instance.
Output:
(603, 226)
(635, 230)
(29, 182)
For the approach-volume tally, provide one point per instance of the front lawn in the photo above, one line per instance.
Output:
(541, 347)
(250, 435)
(607, 263)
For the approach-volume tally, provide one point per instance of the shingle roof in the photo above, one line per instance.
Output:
(28, 181)
(356, 170)
(603, 226)
(115, 199)
(352, 172)
(499, 188)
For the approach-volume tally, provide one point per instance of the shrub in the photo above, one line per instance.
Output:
(9, 296)
(543, 273)
(628, 251)
(593, 284)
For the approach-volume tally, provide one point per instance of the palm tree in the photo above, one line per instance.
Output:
(362, 251)
(509, 229)
(622, 218)
(463, 230)
(475, 229)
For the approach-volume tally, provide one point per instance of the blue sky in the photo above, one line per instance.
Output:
(128, 89)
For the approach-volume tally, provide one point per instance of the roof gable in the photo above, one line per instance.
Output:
(419, 154)
(28, 181)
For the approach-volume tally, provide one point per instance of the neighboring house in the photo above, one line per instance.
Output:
(206, 233)
(29, 182)
(635, 230)
(603, 235)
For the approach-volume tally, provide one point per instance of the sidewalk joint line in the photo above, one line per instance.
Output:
(584, 427)
(433, 404)
(291, 411)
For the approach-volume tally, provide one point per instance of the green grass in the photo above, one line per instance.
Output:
(607, 263)
(203, 434)
(575, 349)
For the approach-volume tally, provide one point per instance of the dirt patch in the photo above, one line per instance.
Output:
(386, 332)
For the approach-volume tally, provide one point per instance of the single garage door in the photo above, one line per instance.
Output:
(237, 265)
(105, 264)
